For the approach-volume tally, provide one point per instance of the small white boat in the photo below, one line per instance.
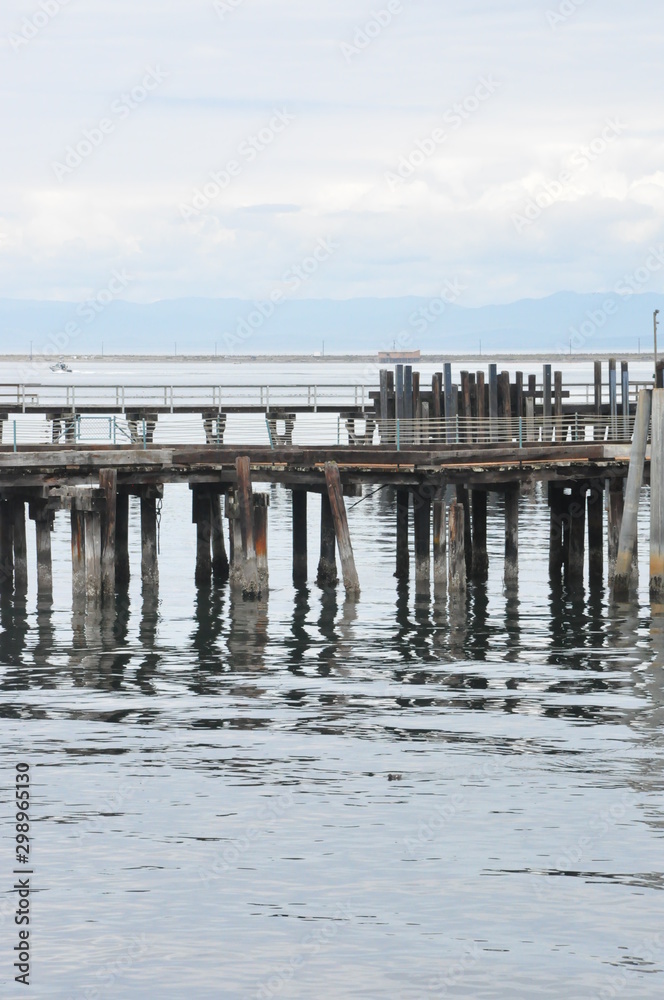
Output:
(60, 366)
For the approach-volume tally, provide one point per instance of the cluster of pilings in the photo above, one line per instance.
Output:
(496, 395)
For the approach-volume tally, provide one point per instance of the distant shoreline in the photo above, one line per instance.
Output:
(543, 357)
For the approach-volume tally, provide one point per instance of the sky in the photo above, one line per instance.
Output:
(513, 149)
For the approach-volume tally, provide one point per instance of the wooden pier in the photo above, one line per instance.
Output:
(443, 449)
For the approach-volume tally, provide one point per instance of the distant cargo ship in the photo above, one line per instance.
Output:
(403, 357)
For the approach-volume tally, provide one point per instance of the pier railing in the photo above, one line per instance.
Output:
(321, 429)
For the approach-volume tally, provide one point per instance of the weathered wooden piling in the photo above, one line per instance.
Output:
(42, 515)
(493, 401)
(577, 534)
(463, 495)
(93, 584)
(249, 579)
(77, 556)
(20, 550)
(299, 513)
(108, 481)
(615, 505)
(557, 507)
(122, 540)
(613, 400)
(657, 498)
(149, 560)
(480, 560)
(558, 406)
(439, 547)
(422, 532)
(457, 557)
(261, 506)
(512, 492)
(340, 521)
(546, 403)
(200, 516)
(623, 574)
(598, 431)
(595, 502)
(6, 545)
(402, 570)
(327, 563)
(220, 567)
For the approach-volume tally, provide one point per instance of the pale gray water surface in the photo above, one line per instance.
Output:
(310, 798)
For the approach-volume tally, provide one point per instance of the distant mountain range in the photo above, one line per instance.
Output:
(593, 322)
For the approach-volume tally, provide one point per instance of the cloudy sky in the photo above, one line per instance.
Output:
(514, 146)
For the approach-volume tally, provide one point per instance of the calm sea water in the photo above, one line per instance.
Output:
(305, 797)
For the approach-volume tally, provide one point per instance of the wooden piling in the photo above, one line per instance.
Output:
(327, 564)
(220, 567)
(299, 512)
(149, 561)
(399, 393)
(481, 407)
(598, 430)
(546, 403)
(624, 399)
(457, 557)
(122, 540)
(439, 547)
(422, 532)
(78, 556)
(249, 572)
(108, 481)
(463, 497)
(261, 505)
(577, 534)
(512, 493)
(558, 406)
(6, 545)
(493, 401)
(200, 516)
(340, 520)
(480, 561)
(613, 400)
(43, 518)
(623, 574)
(657, 498)
(93, 581)
(467, 434)
(557, 507)
(403, 555)
(615, 504)
(595, 535)
(20, 550)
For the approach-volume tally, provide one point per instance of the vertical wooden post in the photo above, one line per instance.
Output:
(577, 534)
(436, 391)
(616, 503)
(595, 535)
(624, 386)
(43, 519)
(463, 497)
(657, 498)
(457, 558)
(512, 493)
(250, 581)
(78, 556)
(518, 395)
(480, 565)
(6, 545)
(417, 409)
(327, 564)
(447, 375)
(20, 550)
(122, 540)
(558, 406)
(299, 499)
(220, 568)
(93, 584)
(613, 400)
(493, 401)
(439, 548)
(261, 505)
(149, 562)
(399, 392)
(623, 574)
(557, 507)
(467, 427)
(201, 517)
(422, 531)
(335, 494)
(403, 555)
(546, 403)
(530, 419)
(598, 430)
(408, 392)
(108, 481)
(481, 407)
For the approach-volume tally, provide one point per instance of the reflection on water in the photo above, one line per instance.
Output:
(400, 796)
